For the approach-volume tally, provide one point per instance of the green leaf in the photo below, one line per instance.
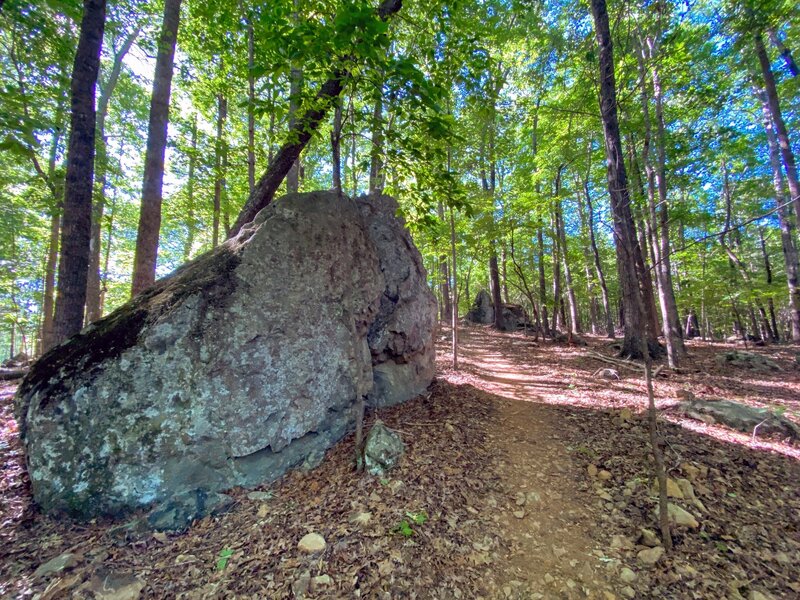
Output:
(224, 555)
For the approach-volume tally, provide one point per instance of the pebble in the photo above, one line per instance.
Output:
(627, 575)
(650, 556)
(311, 542)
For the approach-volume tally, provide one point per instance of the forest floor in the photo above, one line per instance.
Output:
(524, 477)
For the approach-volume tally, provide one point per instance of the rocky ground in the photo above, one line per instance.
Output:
(525, 476)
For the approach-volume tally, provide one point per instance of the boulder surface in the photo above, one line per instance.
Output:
(235, 368)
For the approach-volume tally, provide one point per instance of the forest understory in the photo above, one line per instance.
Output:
(524, 476)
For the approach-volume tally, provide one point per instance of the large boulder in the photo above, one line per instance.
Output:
(233, 369)
(482, 310)
(401, 338)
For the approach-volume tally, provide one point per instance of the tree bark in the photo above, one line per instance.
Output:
(444, 273)
(637, 339)
(146, 256)
(542, 283)
(77, 224)
(219, 176)
(93, 311)
(599, 267)
(295, 89)
(336, 147)
(494, 275)
(251, 105)
(786, 221)
(676, 350)
(376, 179)
(454, 308)
(190, 217)
(778, 123)
(574, 316)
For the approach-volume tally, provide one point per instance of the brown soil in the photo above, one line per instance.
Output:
(498, 459)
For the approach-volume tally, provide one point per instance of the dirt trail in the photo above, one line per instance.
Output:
(549, 525)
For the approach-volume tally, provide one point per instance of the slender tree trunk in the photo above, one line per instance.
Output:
(376, 153)
(629, 257)
(557, 299)
(144, 262)
(48, 302)
(542, 283)
(598, 267)
(786, 220)
(454, 308)
(575, 321)
(504, 275)
(336, 146)
(494, 275)
(77, 224)
(444, 272)
(772, 322)
(778, 123)
(676, 350)
(251, 105)
(190, 216)
(219, 177)
(353, 147)
(101, 169)
(295, 89)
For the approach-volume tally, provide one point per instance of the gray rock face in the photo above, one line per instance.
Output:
(235, 368)
(482, 310)
(401, 336)
(382, 450)
(742, 417)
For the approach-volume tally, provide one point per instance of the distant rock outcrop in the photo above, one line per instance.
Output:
(238, 366)
(482, 311)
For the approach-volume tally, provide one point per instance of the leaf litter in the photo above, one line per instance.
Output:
(524, 477)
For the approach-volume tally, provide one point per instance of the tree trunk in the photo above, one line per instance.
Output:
(575, 321)
(77, 224)
(454, 308)
(144, 262)
(494, 275)
(542, 284)
(557, 299)
(251, 105)
(295, 89)
(598, 267)
(376, 153)
(48, 302)
(190, 217)
(771, 322)
(101, 169)
(336, 146)
(637, 340)
(219, 177)
(786, 220)
(676, 350)
(778, 123)
(444, 272)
